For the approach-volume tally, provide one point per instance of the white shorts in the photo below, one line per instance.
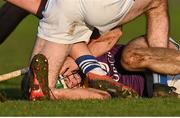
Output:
(72, 21)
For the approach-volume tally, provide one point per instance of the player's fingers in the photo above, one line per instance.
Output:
(77, 77)
(67, 73)
(77, 81)
(67, 82)
(73, 81)
(64, 68)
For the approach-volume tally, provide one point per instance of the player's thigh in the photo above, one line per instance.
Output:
(56, 53)
(133, 54)
(141, 42)
(38, 46)
(51, 49)
(139, 7)
(131, 48)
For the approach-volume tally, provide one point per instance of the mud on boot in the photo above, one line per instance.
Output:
(162, 90)
(106, 83)
(38, 78)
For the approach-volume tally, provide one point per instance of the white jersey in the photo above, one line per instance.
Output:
(71, 21)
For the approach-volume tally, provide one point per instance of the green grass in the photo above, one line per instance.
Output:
(115, 107)
(15, 53)
(138, 27)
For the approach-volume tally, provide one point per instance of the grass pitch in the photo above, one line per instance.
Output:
(115, 107)
(15, 53)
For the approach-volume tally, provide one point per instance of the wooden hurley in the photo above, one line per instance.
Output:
(13, 74)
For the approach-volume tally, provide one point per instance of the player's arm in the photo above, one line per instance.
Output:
(105, 42)
(10, 17)
(82, 93)
(98, 46)
(30, 5)
(158, 24)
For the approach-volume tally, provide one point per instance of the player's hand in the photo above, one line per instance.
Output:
(68, 67)
(73, 80)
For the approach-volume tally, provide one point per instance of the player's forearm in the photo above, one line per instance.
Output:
(30, 5)
(80, 93)
(158, 26)
(105, 42)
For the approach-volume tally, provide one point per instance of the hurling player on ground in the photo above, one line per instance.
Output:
(160, 5)
(65, 46)
(9, 9)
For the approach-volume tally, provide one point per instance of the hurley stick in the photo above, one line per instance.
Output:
(13, 74)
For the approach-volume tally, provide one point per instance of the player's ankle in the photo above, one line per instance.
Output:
(89, 63)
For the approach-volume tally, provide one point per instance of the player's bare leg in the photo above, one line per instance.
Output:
(138, 56)
(157, 20)
(81, 93)
(55, 54)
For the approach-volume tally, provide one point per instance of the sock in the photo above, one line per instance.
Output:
(160, 78)
(88, 63)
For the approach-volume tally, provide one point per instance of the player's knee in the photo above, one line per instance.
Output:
(127, 59)
(131, 60)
